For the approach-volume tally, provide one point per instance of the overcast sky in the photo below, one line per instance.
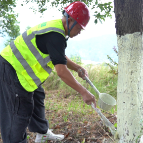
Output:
(28, 18)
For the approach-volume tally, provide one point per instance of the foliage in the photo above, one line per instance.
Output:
(54, 82)
(106, 8)
(28, 136)
(98, 74)
(15, 31)
(8, 16)
(113, 64)
(76, 58)
(103, 80)
(102, 10)
(8, 22)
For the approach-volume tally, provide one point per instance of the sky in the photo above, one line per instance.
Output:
(28, 18)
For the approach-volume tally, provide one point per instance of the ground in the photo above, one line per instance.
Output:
(68, 115)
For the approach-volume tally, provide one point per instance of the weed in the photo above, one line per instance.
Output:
(28, 137)
(72, 107)
(65, 117)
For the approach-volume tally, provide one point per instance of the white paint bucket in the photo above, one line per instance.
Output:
(105, 101)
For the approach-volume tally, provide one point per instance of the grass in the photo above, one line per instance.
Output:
(104, 81)
(69, 115)
(63, 109)
(67, 102)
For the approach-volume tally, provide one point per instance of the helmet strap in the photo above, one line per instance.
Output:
(73, 25)
(67, 16)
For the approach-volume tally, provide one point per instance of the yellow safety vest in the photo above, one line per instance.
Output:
(31, 65)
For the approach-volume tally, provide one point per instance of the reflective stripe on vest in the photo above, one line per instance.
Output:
(30, 64)
(24, 63)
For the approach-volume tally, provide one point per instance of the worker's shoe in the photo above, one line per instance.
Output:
(42, 138)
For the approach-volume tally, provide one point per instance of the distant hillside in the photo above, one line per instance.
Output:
(94, 49)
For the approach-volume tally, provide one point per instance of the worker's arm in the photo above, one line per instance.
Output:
(68, 78)
(73, 66)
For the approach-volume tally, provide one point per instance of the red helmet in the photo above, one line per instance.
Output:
(78, 11)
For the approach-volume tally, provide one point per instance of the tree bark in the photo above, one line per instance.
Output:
(129, 29)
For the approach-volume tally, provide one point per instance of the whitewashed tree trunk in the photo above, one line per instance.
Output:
(130, 87)
(130, 70)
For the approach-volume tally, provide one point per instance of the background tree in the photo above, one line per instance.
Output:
(102, 10)
(8, 16)
(129, 29)
(14, 32)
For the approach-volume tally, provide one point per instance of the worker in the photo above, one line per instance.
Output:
(26, 63)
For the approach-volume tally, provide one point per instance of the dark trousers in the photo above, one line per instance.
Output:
(19, 109)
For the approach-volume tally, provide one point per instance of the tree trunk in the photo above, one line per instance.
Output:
(129, 29)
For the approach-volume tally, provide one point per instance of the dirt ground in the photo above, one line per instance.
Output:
(77, 127)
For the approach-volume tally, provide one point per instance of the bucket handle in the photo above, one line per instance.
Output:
(91, 84)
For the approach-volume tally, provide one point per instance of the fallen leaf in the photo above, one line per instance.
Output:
(85, 122)
(79, 131)
(67, 135)
(57, 127)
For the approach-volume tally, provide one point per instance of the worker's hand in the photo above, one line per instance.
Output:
(88, 98)
(82, 73)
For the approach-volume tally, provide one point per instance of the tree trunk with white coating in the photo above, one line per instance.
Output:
(130, 87)
(129, 29)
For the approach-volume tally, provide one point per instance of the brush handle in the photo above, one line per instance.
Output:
(105, 120)
(91, 84)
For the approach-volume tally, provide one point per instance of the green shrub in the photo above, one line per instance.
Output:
(104, 80)
(113, 64)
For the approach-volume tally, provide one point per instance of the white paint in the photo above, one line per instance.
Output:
(141, 139)
(130, 87)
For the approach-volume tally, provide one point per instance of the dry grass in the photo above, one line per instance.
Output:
(69, 115)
